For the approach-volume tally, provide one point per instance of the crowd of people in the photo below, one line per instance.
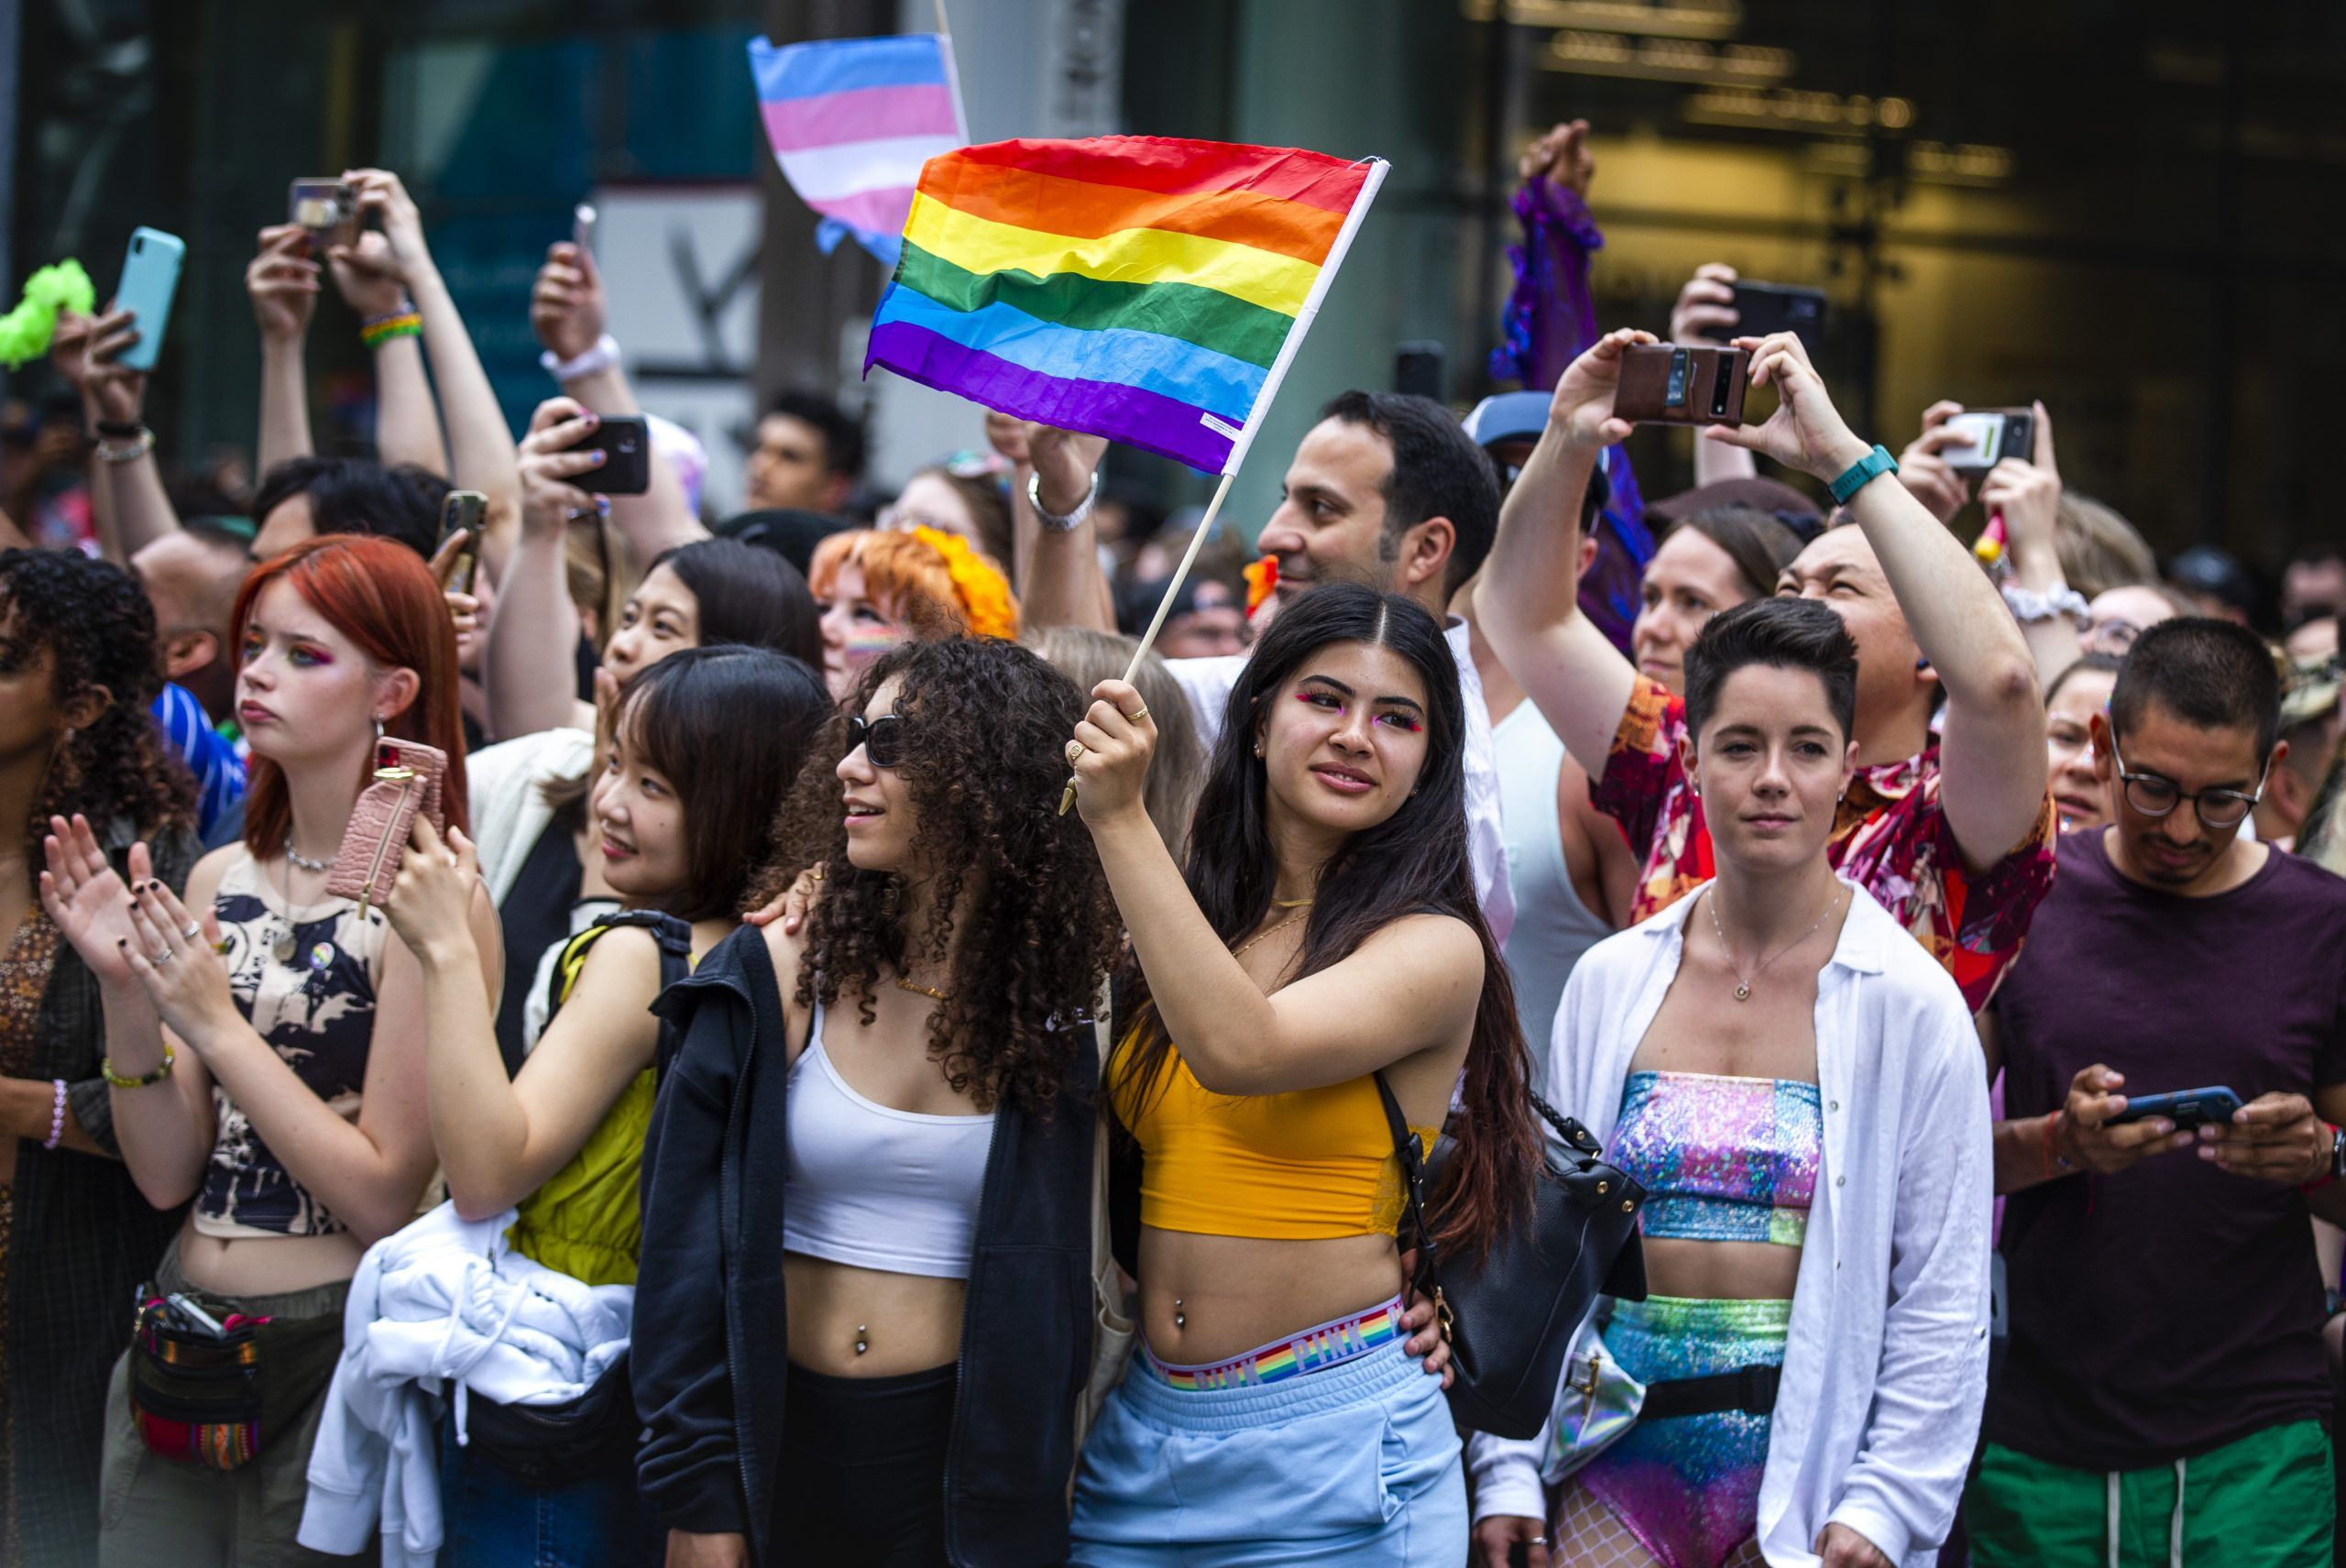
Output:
(741, 1117)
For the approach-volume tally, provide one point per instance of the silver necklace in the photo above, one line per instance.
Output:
(1743, 981)
(302, 860)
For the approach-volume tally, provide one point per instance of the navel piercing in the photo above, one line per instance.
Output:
(861, 1343)
(1180, 1320)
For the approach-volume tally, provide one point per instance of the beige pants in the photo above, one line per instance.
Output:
(154, 1511)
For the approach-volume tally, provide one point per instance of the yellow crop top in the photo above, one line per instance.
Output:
(1309, 1164)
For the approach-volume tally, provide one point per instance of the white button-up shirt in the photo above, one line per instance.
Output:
(1886, 1358)
(1208, 683)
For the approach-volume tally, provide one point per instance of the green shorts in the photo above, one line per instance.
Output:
(2267, 1501)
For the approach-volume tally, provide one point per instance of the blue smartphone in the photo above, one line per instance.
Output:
(2188, 1108)
(150, 274)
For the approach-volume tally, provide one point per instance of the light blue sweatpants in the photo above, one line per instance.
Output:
(1357, 1464)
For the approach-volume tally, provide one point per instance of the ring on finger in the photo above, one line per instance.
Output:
(1136, 714)
(194, 929)
(160, 960)
(1075, 749)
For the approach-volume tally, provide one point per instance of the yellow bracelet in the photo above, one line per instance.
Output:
(105, 1068)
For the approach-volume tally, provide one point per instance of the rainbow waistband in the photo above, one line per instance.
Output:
(1326, 1344)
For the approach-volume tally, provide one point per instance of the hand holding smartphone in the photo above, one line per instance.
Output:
(327, 207)
(1985, 437)
(2186, 1108)
(625, 441)
(464, 512)
(151, 275)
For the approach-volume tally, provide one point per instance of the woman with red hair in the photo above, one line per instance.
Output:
(873, 587)
(267, 1058)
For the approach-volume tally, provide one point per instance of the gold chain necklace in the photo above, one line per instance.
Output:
(903, 985)
(1743, 981)
(1300, 907)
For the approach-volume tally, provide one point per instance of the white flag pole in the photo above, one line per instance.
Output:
(1377, 168)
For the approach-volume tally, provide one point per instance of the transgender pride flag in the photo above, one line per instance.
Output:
(852, 120)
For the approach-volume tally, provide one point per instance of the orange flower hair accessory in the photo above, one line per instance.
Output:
(983, 591)
(1262, 580)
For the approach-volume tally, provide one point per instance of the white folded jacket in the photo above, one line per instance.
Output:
(444, 1304)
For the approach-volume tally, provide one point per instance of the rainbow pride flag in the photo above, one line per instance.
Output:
(852, 120)
(1148, 290)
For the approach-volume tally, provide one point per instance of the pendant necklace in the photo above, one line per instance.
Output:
(918, 990)
(1744, 982)
(286, 949)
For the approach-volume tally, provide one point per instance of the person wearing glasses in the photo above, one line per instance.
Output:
(2166, 1397)
(865, 1271)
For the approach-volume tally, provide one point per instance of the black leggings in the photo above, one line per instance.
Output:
(864, 1468)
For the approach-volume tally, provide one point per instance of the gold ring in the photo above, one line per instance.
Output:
(1075, 749)
(1136, 714)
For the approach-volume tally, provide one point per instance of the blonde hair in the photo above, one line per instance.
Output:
(921, 579)
(1179, 769)
(2098, 548)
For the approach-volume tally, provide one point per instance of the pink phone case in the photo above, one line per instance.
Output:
(408, 775)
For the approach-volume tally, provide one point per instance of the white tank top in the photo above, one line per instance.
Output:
(873, 1187)
(1552, 927)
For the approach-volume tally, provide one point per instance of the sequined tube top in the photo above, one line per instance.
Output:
(1729, 1159)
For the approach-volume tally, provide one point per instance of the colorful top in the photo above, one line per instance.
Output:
(1725, 1159)
(587, 1219)
(1890, 838)
(307, 980)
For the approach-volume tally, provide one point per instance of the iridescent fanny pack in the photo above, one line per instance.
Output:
(1596, 1404)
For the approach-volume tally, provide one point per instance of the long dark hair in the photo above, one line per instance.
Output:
(97, 629)
(985, 737)
(1413, 862)
(728, 728)
(748, 596)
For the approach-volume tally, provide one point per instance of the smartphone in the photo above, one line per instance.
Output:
(2189, 1108)
(465, 511)
(1683, 383)
(1764, 308)
(1416, 369)
(150, 274)
(1989, 436)
(626, 442)
(326, 207)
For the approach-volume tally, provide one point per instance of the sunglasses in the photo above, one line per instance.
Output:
(883, 740)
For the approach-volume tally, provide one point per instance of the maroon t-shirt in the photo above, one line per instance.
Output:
(2173, 1308)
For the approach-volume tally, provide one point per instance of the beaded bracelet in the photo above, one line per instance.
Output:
(56, 1116)
(105, 1070)
(377, 331)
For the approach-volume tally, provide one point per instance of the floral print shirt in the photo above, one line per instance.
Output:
(1890, 838)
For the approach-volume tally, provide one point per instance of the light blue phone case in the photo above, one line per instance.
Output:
(150, 274)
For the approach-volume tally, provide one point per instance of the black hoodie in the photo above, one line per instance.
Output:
(710, 1363)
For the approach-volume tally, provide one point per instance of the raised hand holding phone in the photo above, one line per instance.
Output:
(1806, 431)
(151, 275)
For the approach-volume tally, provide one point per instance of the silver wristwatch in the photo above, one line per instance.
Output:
(1051, 522)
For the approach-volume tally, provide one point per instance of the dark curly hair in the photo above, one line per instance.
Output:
(93, 622)
(986, 731)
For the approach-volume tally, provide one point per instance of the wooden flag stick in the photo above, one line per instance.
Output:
(1165, 604)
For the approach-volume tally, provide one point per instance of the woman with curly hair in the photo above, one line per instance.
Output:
(1322, 973)
(265, 1058)
(874, 588)
(867, 1234)
(77, 670)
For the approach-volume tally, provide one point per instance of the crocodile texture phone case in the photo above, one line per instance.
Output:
(407, 780)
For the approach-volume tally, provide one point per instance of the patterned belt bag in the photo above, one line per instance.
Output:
(209, 1386)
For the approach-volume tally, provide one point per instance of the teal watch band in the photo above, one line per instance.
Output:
(1860, 474)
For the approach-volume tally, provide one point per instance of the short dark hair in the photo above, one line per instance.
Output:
(747, 596)
(359, 495)
(1760, 543)
(1783, 634)
(1438, 471)
(2213, 675)
(685, 717)
(842, 434)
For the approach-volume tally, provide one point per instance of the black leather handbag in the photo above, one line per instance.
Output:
(1510, 1317)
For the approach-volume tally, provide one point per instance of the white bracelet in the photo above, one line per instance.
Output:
(1052, 523)
(601, 358)
(2028, 606)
